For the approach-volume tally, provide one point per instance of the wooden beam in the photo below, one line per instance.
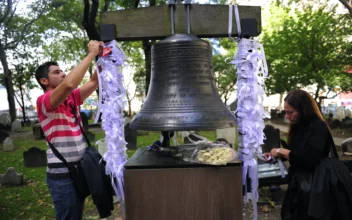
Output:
(207, 21)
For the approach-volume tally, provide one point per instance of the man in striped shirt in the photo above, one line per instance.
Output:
(62, 129)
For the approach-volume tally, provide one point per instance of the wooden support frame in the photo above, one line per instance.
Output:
(206, 21)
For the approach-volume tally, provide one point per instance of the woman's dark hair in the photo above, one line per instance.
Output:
(308, 109)
(43, 71)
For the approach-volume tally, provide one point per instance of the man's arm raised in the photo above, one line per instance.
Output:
(73, 79)
(89, 87)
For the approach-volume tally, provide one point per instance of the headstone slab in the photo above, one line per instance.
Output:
(3, 136)
(11, 178)
(84, 119)
(16, 126)
(272, 138)
(227, 133)
(340, 113)
(34, 157)
(8, 145)
(348, 113)
(38, 131)
(346, 146)
(130, 137)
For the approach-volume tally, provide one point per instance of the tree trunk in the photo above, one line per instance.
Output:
(129, 108)
(147, 46)
(22, 101)
(8, 84)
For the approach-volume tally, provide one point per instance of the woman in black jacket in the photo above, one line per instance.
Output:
(309, 143)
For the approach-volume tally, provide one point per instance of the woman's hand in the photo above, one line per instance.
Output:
(275, 152)
(280, 152)
(267, 156)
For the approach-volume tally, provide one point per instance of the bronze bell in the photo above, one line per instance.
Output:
(182, 95)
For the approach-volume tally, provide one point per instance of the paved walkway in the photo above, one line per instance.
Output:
(284, 128)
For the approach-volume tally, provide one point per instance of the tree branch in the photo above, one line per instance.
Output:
(93, 12)
(86, 12)
(11, 16)
(347, 5)
(16, 41)
(106, 5)
(89, 19)
(7, 11)
(136, 3)
(19, 103)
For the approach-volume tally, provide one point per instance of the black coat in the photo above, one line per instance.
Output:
(316, 182)
(99, 183)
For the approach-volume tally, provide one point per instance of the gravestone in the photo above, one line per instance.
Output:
(273, 113)
(38, 131)
(227, 133)
(84, 119)
(5, 122)
(336, 124)
(90, 135)
(11, 178)
(266, 170)
(130, 137)
(272, 138)
(346, 122)
(340, 113)
(8, 145)
(34, 157)
(346, 146)
(16, 126)
(3, 136)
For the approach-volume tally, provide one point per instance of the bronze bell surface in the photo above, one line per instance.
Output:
(182, 95)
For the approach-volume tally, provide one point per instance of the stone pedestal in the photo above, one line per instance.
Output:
(158, 187)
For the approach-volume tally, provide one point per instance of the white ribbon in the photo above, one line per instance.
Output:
(251, 71)
(112, 100)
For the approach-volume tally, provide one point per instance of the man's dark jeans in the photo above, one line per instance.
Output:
(67, 203)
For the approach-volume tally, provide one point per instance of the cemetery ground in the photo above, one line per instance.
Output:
(32, 200)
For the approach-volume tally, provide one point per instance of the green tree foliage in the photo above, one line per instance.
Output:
(17, 31)
(224, 73)
(346, 3)
(308, 47)
(23, 83)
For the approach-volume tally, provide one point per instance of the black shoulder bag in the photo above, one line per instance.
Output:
(75, 169)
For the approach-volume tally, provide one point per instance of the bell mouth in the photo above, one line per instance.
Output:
(201, 120)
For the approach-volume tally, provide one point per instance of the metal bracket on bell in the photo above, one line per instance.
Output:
(171, 3)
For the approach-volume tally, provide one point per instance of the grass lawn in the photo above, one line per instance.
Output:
(33, 200)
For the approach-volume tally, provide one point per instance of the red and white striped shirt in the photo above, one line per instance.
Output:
(62, 129)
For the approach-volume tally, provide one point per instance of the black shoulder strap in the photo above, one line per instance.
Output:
(84, 134)
(333, 147)
(333, 150)
(56, 152)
